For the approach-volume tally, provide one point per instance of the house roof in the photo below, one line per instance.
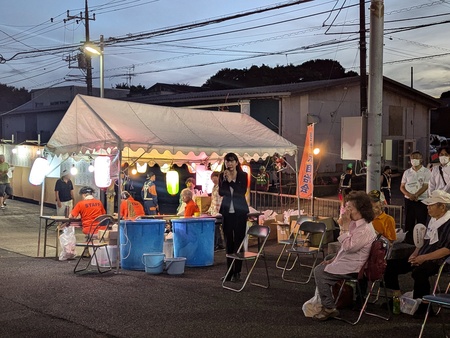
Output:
(279, 91)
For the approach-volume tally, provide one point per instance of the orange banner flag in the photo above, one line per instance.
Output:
(306, 171)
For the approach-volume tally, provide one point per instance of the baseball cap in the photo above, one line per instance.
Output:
(376, 196)
(437, 196)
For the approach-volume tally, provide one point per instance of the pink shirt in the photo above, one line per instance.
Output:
(355, 248)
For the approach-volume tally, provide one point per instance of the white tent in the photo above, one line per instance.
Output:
(157, 134)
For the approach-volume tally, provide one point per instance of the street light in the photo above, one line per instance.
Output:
(98, 50)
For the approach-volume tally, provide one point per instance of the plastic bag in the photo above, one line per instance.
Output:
(408, 304)
(313, 306)
(67, 240)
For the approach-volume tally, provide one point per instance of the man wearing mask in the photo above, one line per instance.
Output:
(440, 175)
(414, 186)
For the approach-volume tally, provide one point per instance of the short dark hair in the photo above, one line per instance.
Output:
(363, 204)
(86, 190)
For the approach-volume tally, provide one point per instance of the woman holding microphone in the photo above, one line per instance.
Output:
(234, 209)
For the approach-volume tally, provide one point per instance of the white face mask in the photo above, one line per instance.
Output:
(415, 162)
(443, 159)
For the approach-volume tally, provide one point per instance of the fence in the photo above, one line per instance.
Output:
(325, 207)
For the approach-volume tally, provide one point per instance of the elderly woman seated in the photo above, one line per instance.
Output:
(187, 198)
(357, 235)
(425, 260)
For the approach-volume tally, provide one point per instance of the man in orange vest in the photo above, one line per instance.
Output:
(149, 195)
(129, 207)
(89, 209)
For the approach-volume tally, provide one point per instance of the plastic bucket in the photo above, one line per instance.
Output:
(138, 237)
(153, 262)
(193, 238)
(175, 266)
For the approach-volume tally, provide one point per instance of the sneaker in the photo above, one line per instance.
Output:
(325, 314)
(2, 207)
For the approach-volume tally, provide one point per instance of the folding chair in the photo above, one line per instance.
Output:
(300, 247)
(262, 233)
(372, 279)
(290, 241)
(93, 242)
(442, 300)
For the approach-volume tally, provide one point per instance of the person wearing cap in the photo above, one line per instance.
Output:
(385, 183)
(149, 195)
(262, 180)
(345, 181)
(414, 186)
(425, 261)
(440, 175)
(383, 223)
(129, 207)
(88, 209)
(5, 186)
(64, 194)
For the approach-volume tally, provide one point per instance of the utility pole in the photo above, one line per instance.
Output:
(375, 106)
(363, 76)
(87, 58)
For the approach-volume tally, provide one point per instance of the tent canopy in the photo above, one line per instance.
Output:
(158, 134)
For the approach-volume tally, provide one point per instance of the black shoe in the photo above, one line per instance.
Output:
(236, 277)
(227, 278)
(219, 248)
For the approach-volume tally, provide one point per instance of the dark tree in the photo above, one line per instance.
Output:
(255, 76)
(11, 97)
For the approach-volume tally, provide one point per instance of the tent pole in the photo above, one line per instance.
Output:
(42, 197)
(119, 201)
(296, 181)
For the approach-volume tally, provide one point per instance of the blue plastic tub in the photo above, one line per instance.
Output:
(139, 237)
(193, 238)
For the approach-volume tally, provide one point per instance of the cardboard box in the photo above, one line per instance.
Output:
(203, 203)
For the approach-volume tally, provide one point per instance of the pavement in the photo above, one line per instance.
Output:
(42, 297)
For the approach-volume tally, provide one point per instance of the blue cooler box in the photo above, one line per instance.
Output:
(139, 237)
(193, 238)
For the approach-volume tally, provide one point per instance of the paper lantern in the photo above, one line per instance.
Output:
(73, 170)
(91, 168)
(141, 168)
(248, 171)
(172, 182)
(165, 168)
(102, 165)
(38, 171)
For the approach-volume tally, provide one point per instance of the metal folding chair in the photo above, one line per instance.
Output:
(290, 241)
(373, 280)
(262, 233)
(442, 300)
(93, 243)
(301, 247)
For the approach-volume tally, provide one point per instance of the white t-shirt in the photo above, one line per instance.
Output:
(414, 180)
